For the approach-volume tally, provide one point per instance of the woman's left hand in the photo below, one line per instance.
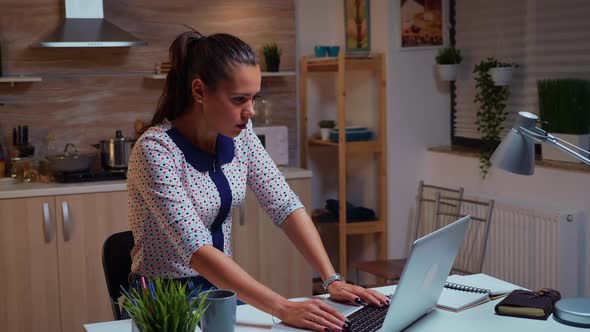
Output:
(345, 292)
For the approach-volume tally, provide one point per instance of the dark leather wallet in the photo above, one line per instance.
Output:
(529, 304)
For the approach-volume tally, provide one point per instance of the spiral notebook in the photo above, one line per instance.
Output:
(464, 292)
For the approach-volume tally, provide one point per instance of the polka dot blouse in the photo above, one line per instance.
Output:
(176, 192)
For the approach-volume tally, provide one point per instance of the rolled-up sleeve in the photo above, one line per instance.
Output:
(266, 181)
(155, 174)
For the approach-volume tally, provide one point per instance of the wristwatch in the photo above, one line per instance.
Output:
(330, 280)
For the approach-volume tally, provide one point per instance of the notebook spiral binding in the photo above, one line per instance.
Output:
(466, 288)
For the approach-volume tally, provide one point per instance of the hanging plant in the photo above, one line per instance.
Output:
(492, 111)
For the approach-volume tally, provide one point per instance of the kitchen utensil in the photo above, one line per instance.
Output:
(115, 152)
(71, 160)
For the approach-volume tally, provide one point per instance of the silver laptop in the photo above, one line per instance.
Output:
(421, 283)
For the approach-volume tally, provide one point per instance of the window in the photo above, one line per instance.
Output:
(546, 38)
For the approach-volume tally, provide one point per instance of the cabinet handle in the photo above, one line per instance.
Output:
(242, 211)
(66, 221)
(47, 229)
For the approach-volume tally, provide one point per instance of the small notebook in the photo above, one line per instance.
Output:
(464, 292)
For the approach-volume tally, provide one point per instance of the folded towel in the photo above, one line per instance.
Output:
(353, 213)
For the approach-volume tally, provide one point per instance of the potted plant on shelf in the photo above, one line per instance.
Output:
(491, 113)
(501, 73)
(564, 105)
(325, 127)
(447, 60)
(272, 56)
(163, 306)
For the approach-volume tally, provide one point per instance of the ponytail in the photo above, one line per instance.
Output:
(193, 55)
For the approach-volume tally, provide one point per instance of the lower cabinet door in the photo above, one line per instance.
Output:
(29, 293)
(84, 223)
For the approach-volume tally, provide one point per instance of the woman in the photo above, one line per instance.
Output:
(190, 169)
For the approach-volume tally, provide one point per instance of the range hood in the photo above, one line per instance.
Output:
(85, 26)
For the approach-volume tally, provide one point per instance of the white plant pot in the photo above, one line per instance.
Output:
(501, 75)
(325, 133)
(447, 72)
(550, 152)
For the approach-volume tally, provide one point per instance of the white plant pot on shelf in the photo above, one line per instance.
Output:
(501, 75)
(447, 72)
(325, 133)
(550, 152)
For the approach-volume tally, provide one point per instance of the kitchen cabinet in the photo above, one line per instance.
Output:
(51, 260)
(265, 252)
(83, 224)
(29, 298)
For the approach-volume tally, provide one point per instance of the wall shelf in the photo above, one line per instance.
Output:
(264, 74)
(19, 79)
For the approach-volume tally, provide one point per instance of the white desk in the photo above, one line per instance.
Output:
(480, 318)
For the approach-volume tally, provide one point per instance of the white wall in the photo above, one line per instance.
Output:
(418, 109)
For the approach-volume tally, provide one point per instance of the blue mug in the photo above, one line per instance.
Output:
(320, 51)
(333, 50)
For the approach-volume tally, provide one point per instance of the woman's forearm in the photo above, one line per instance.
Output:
(302, 232)
(216, 266)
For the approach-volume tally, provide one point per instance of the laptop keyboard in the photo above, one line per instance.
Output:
(367, 319)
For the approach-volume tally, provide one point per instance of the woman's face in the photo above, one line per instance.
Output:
(228, 108)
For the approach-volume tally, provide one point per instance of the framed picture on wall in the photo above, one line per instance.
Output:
(422, 23)
(357, 22)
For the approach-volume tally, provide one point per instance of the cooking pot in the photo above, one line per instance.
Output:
(115, 152)
(71, 160)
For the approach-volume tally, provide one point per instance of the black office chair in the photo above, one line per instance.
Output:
(116, 263)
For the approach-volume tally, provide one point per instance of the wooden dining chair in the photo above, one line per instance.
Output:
(424, 222)
(471, 255)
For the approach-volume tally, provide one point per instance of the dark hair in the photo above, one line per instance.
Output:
(193, 55)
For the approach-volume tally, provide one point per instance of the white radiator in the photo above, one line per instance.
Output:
(531, 247)
(537, 249)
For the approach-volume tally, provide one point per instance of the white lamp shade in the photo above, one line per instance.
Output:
(515, 154)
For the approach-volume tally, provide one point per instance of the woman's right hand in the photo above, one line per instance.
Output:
(313, 315)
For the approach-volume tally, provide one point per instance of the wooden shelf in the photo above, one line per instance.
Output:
(19, 79)
(342, 229)
(360, 146)
(331, 64)
(354, 228)
(264, 74)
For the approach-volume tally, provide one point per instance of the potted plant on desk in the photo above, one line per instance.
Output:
(564, 105)
(448, 60)
(325, 127)
(162, 305)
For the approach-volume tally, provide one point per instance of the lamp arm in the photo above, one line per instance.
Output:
(542, 136)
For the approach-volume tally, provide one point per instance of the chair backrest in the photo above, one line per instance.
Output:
(424, 218)
(472, 252)
(116, 263)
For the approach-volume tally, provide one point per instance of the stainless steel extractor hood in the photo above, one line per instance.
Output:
(85, 26)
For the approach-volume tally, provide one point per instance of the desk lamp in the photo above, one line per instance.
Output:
(516, 154)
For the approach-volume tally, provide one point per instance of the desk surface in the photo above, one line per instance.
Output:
(479, 318)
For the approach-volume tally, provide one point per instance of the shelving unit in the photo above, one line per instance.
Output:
(19, 79)
(264, 74)
(378, 147)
